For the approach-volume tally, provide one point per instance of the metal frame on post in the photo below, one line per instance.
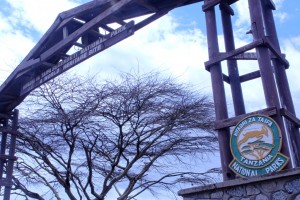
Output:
(272, 65)
(8, 130)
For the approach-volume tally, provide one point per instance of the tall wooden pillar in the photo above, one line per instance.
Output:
(8, 130)
(266, 70)
(281, 79)
(218, 92)
(233, 71)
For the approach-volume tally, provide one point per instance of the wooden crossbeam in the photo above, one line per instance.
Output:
(210, 4)
(8, 157)
(223, 56)
(290, 117)
(105, 27)
(226, 78)
(250, 76)
(148, 5)
(118, 20)
(220, 124)
(4, 116)
(5, 183)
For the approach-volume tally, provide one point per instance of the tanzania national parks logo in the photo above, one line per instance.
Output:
(255, 145)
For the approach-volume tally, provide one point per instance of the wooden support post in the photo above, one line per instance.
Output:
(3, 147)
(218, 92)
(11, 154)
(282, 81)
(233, 72)
(266, 71)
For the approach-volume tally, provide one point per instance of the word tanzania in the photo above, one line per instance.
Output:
(78, 57)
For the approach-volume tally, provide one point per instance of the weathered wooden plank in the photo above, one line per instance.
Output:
(251, 56)
(107, 28)
(213, 3)
(290, 116)
(118, 20)
(218, 93)
(79, 45)
(224, 6)
(78, 57)
(270, 4)
(245, 56)
(4, 116)
(82, 9)
(4, 182)
(148, 5)
(250, 76)
(9, 131)
(67, 21)
(85, 28)
(226, 78)
(210, 4)
(232, 65)
(8, 157)
(220, 124)
(223, 56)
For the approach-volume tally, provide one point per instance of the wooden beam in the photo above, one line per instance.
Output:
(47, 64)
(250, 76)
(223, 56)
(225, 7)
(118, 20)
(83, 8)
(82, 30)
(210, 4)
(290, 116)
(250, 56)
(245, 56)
(226, 78)
(6, 183)
(79, 45)
(213, 3)
(105, 27)
(4, 116)
(67, 21)
(147, 5)
(270, 4)
(7, 157)
(226, 123)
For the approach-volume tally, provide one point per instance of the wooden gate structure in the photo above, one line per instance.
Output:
(88, 27)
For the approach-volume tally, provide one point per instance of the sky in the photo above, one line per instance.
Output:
(175, 44)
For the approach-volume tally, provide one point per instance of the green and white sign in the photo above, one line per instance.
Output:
(255, 145)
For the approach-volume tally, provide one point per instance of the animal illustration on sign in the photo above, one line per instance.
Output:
(253, 144)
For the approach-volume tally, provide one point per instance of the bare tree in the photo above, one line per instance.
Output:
(82, 140)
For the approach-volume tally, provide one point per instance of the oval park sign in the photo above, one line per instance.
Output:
(255, 145)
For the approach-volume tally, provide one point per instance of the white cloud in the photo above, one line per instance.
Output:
(158, 46)
(291, 47)
(38, 15)
(243, 16)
